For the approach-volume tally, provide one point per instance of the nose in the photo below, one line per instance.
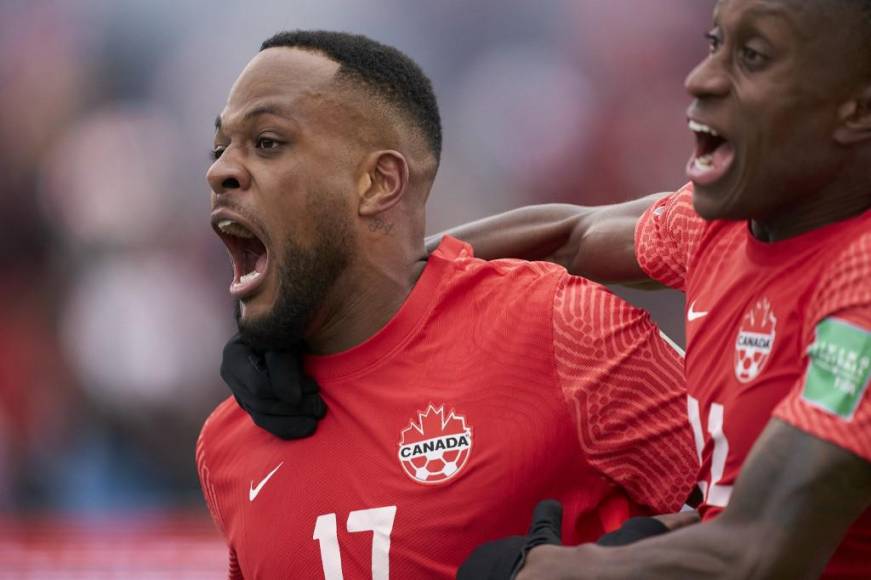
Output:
(710, 77)
(227, 173)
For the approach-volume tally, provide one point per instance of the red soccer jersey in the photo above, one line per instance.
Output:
(496, 385)
(773, 329)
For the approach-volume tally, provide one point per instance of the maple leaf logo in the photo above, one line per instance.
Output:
(432, 423)
(755, 340)
(435, 447)
(760, 318)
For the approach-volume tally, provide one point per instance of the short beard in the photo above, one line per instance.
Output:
(305, 277)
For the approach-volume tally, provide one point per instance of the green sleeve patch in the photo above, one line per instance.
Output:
(839, 367)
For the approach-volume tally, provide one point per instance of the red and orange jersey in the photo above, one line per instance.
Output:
(496, 385)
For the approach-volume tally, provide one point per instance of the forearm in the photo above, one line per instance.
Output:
(796, 497)
(685, 553)
(594, 242)
(531, 233)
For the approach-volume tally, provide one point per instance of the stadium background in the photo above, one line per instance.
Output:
(113, 292)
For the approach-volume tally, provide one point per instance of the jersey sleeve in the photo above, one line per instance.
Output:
(831, 399)
(666, 237)
(234, 572)
(625, 384)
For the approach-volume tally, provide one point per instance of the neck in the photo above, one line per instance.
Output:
(364, 300)
(849, 197)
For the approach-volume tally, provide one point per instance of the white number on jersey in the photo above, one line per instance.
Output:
(717, 494)
(377, 520)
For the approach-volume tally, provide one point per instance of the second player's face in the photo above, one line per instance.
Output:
(280, 183)
(765, 106)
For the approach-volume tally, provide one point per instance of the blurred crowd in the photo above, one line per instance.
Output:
(113, 288)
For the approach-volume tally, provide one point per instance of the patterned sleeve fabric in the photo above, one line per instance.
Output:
(666, 237)
(831, 399)
(625, 385)
(233, 571)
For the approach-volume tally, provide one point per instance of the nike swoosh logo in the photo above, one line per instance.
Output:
(254, 491)
(693, 314)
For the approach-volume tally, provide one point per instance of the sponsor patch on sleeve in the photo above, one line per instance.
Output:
(839, 367)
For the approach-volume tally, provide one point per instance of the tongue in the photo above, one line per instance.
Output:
(707, 169)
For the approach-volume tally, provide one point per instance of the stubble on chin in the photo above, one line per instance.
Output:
(305, 277)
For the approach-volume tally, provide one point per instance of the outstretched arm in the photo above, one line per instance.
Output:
(793, 502)
(595, 242)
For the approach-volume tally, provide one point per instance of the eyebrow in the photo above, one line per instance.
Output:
(780, 13)
(269, 109)
(763, 10)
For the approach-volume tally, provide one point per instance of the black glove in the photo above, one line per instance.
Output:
(273, 388)
(503, 559)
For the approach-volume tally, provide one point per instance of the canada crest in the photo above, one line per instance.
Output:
(755, 340)
(435, 447)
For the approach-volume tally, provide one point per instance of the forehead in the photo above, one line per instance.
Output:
(793, 12)
(806, 17)
(280, 78)
(829, 34)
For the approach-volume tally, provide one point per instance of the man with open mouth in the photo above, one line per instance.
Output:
(453, 393)
(771, 243)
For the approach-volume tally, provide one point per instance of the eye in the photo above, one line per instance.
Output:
(216, 152)
(267, 143)
(751, 57)
(714, 40)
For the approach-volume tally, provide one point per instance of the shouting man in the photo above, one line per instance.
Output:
(457, 392)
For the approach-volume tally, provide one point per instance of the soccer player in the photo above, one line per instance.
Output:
(458, 392)
(771, 243)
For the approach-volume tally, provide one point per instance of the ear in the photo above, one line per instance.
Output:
(855, 119)
(382, 183)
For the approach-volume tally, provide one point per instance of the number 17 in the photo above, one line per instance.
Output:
(377, 520)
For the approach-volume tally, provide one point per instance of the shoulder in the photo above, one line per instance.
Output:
(460, 255)
(507, 277)
(587, 315)
(845, 282)
(851, 251)
(225, 412)
(219, 428)
(585, 297)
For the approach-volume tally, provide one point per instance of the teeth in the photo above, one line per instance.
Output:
(248, 277)
(706, 161)
(234, 229)
(699, 128)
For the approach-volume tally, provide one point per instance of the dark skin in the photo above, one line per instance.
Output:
(789, 509)
(768, 68)
(776, 80)
(795, 104)
(291, 157)
(594, 242)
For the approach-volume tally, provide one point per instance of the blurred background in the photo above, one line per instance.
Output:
(113, 291)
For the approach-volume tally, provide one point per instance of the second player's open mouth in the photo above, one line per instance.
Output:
(713, 156)
(247, 253)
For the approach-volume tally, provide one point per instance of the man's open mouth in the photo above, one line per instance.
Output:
(248, 254)
(713, 156)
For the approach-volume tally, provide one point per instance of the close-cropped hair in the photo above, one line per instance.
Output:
(384, 71)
